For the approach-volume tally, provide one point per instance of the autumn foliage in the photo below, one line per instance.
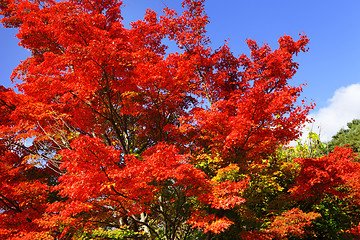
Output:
(111, 134)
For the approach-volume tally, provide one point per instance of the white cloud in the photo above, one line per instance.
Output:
(343, 107)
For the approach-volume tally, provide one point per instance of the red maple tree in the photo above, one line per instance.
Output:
(137, 136)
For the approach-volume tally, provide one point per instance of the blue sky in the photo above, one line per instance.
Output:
(331, 68)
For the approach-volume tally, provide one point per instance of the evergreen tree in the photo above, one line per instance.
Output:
(347, 137)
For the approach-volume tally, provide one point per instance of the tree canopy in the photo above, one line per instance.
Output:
(109, 136)
(347, 137)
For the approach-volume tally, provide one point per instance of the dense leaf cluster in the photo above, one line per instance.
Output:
(109, 136)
